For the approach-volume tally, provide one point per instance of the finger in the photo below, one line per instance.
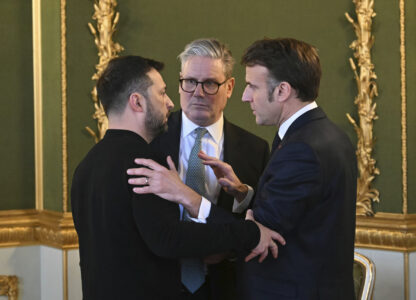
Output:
(278, 237)
(274, 249)
(171, 164)
(143, 190)
(249, 215)
(214, 163)
(263, 255)
(140, 172)
(224, 182)
(250, 256)
(139, 181)
(204, 156)
(149, 163)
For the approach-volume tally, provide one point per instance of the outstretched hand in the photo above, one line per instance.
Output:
(267, 241)
(225, 176)
(163, 182)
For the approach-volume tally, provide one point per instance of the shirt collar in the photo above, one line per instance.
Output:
(286, 124)
(215, 130)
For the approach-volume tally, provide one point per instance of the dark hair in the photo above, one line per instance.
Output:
(289, 60)
(123, 76)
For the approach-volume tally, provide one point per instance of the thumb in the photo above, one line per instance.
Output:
(171, 163)
(249, 215)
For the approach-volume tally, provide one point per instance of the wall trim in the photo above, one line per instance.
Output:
(36, 227)
(64, 109)
(387, 231)
(37, 100)
(403, 103)
(384, 231)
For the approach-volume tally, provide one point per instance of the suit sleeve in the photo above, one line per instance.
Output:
(159, 225)
(289, 187)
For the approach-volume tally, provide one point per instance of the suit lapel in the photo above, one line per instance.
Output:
(230, 138)
(174, 135)
(313, 114)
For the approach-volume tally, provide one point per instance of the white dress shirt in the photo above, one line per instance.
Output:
(286, 124)
(212, 143)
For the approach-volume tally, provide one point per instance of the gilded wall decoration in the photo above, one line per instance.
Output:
(404, 102)
(9, 286)
(367, 90)
(34, 227)
(107, 19)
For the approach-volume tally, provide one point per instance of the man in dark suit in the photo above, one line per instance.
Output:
(206, 83)
(129, 244)
(308, 190)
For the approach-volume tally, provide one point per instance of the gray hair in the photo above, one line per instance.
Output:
(211, 48)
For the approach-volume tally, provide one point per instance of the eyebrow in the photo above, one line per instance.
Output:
(206, 79)
(251, 84)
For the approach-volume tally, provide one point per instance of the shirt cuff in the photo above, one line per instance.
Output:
(240, 207)
(204, 210)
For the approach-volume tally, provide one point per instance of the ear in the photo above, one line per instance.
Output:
(283, 91)
(230, 86)
(136, 102)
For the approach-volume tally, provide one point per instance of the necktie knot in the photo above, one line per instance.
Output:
(200, 132)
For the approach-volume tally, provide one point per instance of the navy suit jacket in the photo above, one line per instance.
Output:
(248, 156)
(308, 194)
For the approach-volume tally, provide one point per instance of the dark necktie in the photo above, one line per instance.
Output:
(276, 143)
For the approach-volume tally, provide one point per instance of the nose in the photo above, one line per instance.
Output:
(247, 95)
(169, 103)
(198, 90)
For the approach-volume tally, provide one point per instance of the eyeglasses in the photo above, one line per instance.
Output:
(209, 87)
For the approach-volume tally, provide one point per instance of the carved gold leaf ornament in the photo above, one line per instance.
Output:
(367, 90)
(9, 286)
(107, 19)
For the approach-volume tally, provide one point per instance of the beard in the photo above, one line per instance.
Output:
(155, 121)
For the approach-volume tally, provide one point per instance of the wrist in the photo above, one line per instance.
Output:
(242, 192)
(192, 202)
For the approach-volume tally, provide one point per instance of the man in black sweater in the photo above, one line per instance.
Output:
(129, 244)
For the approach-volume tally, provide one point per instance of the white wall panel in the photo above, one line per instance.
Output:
(24, 262)
(412, 275)
(389, 282)
(74, 276)
(51, 273)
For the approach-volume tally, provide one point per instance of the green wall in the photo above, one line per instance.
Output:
(17, 187)
(160, 29)
(52, 104)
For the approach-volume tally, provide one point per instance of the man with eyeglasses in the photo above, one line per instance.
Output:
(205, 85)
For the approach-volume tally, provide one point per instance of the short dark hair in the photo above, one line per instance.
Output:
(289, 60)
(123, 76)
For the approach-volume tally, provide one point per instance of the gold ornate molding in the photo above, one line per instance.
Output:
(37, 99)
(367, 89)
(403, 104)
(64, 109)
(9, 286)
(107, 19)
(387, 231)
(28, 227)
